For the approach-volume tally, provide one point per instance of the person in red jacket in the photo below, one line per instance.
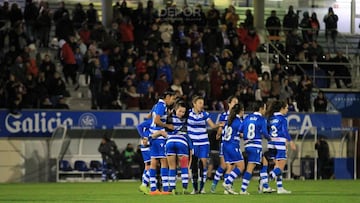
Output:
(68, 61)
(126, 29)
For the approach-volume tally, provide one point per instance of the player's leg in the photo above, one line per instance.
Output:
(254, 158)
(195, 169)
(204, 156)
(264, 182)
(238, 169)
(171, 160)
(219, 172)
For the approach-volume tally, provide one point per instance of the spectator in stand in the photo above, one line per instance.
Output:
(252, 41)
(144, 84)
(202, 86)
(154, 38)
(44, 25)
(290, 21)
(60, 11)
(341, 71)
(251, 76)
(316, 49)
(57, 88)
(64, 27)
(304, 93)
(67, 58)
(249, 20)
(132, 98)
(164, 67)
(161, 84)
(328, 67)
(126, 29)
(256, 63)
(293, 43)
(78, 16)
(285, 90)
(275, 87)
(320, 102)
(265, 86)
(231, 16)
(15, 14)
(330, 20)
(148, 100)
(84, 34)
(213, 17)
(315, 26)
(176, 87)
(305, 25)
(273, 24)
(91, 16)
(106, 99)
(31, 13)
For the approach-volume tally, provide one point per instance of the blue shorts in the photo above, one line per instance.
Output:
(157, 149)
(232, 153)
(254, 154)
(221, 153)
(201, 151)
(146, 156)
(176, 148)
(280, 155)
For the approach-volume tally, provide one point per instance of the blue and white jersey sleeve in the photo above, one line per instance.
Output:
(159, 110)
(144, 128)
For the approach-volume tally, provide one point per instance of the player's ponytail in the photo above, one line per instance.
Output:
(235, 111)
(276, 106)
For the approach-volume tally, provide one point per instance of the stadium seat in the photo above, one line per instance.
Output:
(80, 165)
(64, 165)
(95, 165)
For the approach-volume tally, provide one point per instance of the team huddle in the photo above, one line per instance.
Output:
(179, 138)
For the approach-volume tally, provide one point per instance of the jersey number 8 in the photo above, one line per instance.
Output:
(228, 133)
(251, 131)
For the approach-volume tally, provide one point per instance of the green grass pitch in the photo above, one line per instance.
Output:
(127, 192)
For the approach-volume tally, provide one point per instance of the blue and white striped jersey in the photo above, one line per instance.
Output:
(144, 132)
(253, 128)
(278, 131)
(159, 109)
(223, 118)
(231, 133)
(196, 127)
(179, 132)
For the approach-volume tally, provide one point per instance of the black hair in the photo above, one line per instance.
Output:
(275, 107)
(235, 111)
(231, 98)
(257, 105)
(166, 93)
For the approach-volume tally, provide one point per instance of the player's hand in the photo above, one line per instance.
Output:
(145, 141)
(292, 146)
(218, 136)
(169, 126)
(221, 124)
(164, 134)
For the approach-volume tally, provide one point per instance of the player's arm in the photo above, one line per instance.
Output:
(158, 122)
(287, 135)
(159, 133)
(264, 130)
(213, 125)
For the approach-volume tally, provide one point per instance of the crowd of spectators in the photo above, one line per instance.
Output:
(145, 52)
